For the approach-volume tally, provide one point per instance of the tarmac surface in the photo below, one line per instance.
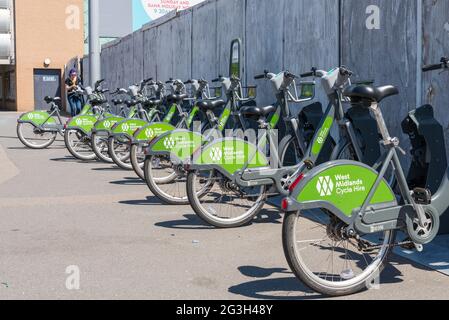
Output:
(57, 212)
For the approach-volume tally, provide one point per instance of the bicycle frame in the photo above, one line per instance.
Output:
(44, 120)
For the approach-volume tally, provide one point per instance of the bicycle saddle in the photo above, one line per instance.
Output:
(257, 112)
(176, 97)
(210, 105)
(131, 103)
(370, 93)
(153, 102)
(117, 101)
(49, 99)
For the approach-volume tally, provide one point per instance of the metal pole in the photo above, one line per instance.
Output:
(419, 53)
(94, 41)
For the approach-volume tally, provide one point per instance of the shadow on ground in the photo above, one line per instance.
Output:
(149, 201)
(192, 221)
(266, 283)
(129, 182)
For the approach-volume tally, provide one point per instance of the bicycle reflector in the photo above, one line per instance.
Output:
(284, 204)
(296, 182)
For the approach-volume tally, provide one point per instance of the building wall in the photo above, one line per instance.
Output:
(42, 32)
(296, 35)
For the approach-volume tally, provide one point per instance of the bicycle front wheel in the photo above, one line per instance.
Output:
(165, 181)
(327, 260)
(138, 160)
(222, 204)
(79, 145)
(100, 147)
(120, 152)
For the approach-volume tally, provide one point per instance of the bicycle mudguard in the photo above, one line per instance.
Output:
(180, 145)
(105, 125)
(37, 118)
(228, 156)
(341, 187)
(366, 126)
(82, 123)
(127, 128)
(151, 131)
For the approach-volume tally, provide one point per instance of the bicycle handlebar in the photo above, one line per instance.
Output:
(444, 64)
(312, 73)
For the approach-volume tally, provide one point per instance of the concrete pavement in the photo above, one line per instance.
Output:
(57, 212)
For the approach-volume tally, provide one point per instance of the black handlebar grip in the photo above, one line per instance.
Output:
(307, 74)
(260, 76)
(432, 67)
(216, 80)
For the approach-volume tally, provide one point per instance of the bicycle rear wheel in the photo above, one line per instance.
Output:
(327, 260)
(34, 138)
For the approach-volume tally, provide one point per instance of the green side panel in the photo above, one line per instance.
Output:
(150, 131)
(107, 123)
(87, 110)
(168, 118)
(346, 187)
(224, 119)
(128, 127)
(192, 115)
(274, 121)
(85, 123)
(232, 155)
(321, 137)
(37, 118)
(132, 112)
(181, 143)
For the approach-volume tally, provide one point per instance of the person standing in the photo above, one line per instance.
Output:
(75, 100)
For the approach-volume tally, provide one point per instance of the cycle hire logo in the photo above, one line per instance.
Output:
(169, 143)
(79, 122)
(107, 124)
(149, 133)
(325, 186)
(216, 154)
(125, 127)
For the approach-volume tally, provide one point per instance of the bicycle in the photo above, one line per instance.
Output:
(167, 154)
(199, 90)
(347, 213)
(39, 129)
(78, 130)
(102, 129)
(242, 178)
(124, 134)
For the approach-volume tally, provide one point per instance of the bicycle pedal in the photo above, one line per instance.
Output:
(422, 196)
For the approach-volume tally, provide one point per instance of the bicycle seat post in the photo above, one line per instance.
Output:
(381, 124)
